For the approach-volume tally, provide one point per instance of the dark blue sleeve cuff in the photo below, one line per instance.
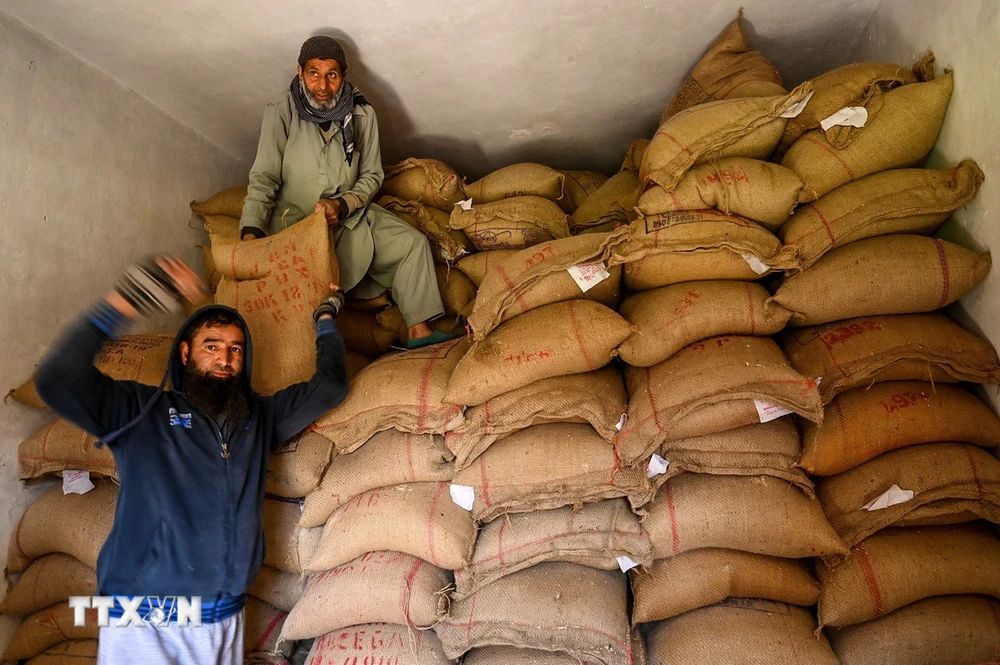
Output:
(325, 326)
(107, 319)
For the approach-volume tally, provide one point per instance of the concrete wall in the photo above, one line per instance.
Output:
(93, 176)
(963, 36)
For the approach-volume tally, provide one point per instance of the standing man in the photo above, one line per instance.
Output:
(319, 151)
(192, 460)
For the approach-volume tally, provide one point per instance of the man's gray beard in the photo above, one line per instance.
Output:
(317, 104)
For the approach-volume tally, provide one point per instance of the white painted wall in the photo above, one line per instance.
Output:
(963, 36)
(92, 176)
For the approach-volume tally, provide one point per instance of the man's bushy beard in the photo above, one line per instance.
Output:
(227, 397)
(317, 104)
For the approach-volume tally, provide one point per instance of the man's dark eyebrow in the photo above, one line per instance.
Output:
(218, 340)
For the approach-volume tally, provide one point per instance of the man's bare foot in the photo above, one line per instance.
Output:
(419, 331)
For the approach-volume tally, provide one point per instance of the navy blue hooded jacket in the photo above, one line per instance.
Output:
(188, 520)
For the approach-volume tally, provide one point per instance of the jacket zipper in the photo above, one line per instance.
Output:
(231, 527)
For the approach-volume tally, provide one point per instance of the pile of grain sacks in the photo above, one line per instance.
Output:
(704, 407)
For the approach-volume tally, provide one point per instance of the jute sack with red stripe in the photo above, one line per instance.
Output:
(666, 268)
(526, 179)
(948, 630)
(762, 515)
(417, 518)
(764, 449)
(477, 266)
(280, 522)
(549, 466)
(727, 128)
(579, 185)
(141, 358)
(275, 283)
(633, 156)
(77, 652)
(593, 535)
(504, 655)
(402, 390)
(553, 607)
(596, 397)
(49, 580)
(376, 587)
(568, 337)
(389, 458)
(759, 191)
(540, 275)
(374, 643)
(903, 347)
(863, 423)
(296, 467)
(513, 223)
(903, 132)
(898, 201)
(457, 291)
(951, 483)
(426, 181)
(897, 567)
(613, 203)
(46, 628)
(220, 228)
(228, 202)
(447, 244)
(362, 333)
(279, 588)
(896, 274)
(711, 386)
(262, 626)
(761, 632)
(672, 317)
(699, 578)
(61, 445)
(729, 70)
(75, 524)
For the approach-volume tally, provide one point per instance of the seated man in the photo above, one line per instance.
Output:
(319, 150)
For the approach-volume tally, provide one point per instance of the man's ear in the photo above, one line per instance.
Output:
(300, 71)
(185, 350)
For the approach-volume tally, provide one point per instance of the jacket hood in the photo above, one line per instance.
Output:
(175, 369)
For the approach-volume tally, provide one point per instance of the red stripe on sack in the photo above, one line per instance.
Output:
(430, 525)
(826, 224)
(45, 436)
(408, 587)
(865, 563)
(575, 325)
(945, 273)
(500, 552)
(409, 456)
(270, 629)
(487, 416)
(674, 536)
(975, 473)
(425, 381)
(652, 402)
(832, 152)
(753, 322)
(675, 141)
(484, 482)
(676, 199)
(510, 285)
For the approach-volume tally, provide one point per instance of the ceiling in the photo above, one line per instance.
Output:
(480, 83)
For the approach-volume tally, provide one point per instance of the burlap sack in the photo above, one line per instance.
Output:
(275, 283)
(363, 334)
(72, 652)
(504, 655)
(375, 643)
(262, 626)
(711, 386)
(47, 628)
(728, 128)
(552, 607)
(729, 70)
(447, 244)
(897, 567)
(760, 191)
(75, 524)
(402, 390)
(61, 445)
(897, 201)
(704, 577)
(897, 274)
(457, 290)
(416, 518)
(539, 275)
(141, 358)
(762, 515)
(563, 338)
(220, 228)
(902, 133)
(764, 449)
(578, 186)
(634, 154)
(389, 458)
(668, 268)
(514, 223)
(613, 203)
(228, 202)
(672, 317)
(525, 179)
(453, 325)
(596, 397)
(549, 466)
(948, 630)
(863, 423)
(478, 265)
(859, 352)
(594, 535)
(47, 581)
(278, 588)
(951, 483)
(748, 632)
(376, 587)
(296, 467)
(281, 518)
(426, 181)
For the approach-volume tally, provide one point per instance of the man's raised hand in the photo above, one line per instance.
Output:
(155, 285)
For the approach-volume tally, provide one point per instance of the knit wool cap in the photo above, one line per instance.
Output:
(323, 48)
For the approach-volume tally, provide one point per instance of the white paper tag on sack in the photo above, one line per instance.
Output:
(657, 466)
(625, 563)
(797, 108)
(76, 482)
(588, 275)
(463, 495)
(621, 422)
(755, 264)
(769, 412)
(890, 497)
(849, 116)
(465, 205)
